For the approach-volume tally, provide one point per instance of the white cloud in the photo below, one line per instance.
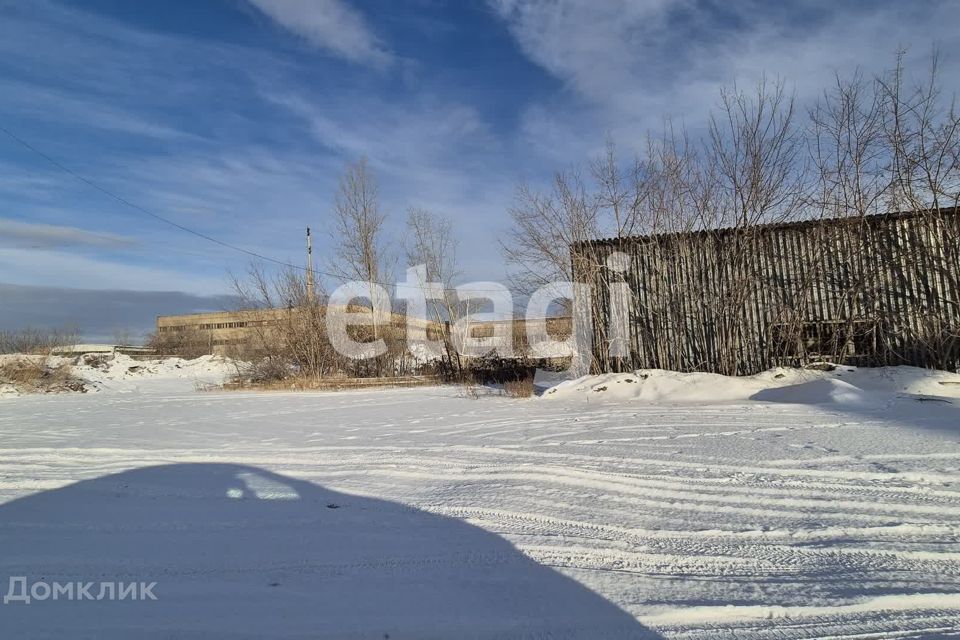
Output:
(395, 136)
(596, 48)
(63, 269)
(634, 63)
(20, 235)
(432, 153)
(331, 25)
(35, 101)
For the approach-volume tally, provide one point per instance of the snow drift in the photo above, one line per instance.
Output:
(839, 385)
(121, 373)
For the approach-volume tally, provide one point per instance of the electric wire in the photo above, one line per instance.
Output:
(132, 205)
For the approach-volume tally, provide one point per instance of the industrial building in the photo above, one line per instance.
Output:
(219, 330)
(866, 290)
(223, 332)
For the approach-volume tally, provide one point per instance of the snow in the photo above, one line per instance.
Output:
(84, 348)
(121, 373)
(789, 504)
(839, 385)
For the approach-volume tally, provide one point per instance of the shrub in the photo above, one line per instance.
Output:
(39, 375)
(188, 343)
(522, 388)
(36, 341)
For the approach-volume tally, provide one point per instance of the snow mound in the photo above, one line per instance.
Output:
(824, 391)
(834, 385)
(121, 373)
(656, 386)
(36, 374)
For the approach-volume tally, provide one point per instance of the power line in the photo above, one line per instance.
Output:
(136, 207)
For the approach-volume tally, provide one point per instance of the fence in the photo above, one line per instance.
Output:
(868, 290)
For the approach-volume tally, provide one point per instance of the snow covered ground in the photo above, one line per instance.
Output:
(805, 505)
(121, 373)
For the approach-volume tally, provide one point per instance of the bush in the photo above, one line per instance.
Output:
(522, 388)
(186, 343)
(269, 369)
(36, 341)
(39, 375)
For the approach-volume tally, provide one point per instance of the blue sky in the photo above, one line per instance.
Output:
(236, 117)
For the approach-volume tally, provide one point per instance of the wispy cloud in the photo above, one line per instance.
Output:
(43, 103)
(241, 148)
(596, 48)
(67, 269)
(26, 235)
(629, 64)
(243, 138)
(329, 24)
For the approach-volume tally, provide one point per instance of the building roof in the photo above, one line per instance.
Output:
(770, 226)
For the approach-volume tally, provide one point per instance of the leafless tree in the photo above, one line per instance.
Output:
(357, 233)
(545, 226)
(430, 242)
(619, 193)
(873, 146)
(756, 150)
(748, 169)
(285, 326)
(37, 341)
(922, 131)
(848, 149)
(287, 333)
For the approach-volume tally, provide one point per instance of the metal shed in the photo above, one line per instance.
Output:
(866, 290)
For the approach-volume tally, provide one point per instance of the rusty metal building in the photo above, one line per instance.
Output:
(867, 290)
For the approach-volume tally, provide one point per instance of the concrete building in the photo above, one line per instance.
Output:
(219, 331)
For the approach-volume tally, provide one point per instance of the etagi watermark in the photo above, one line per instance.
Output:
(497, 302)
(18, 590)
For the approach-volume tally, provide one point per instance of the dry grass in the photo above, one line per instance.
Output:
(468, 388)
(519, 388)
(310, 383)
(38, 374)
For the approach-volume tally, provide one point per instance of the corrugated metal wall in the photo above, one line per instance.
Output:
(872, 290)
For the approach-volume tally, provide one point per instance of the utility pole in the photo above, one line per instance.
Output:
(309, 267)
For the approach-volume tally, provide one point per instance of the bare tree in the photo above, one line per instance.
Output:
(922, 131)
(677, 190)
(756, 151)
(357, 233)
(285, 326)
(430, 242)
(848, 149)
(545, 226)
(619, 193)
(749, 169)
(37, 341)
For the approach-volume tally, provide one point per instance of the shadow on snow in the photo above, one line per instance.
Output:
(239, 552)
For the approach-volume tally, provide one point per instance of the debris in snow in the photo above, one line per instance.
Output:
(124, 374)
(21, 373)
(108, 372)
